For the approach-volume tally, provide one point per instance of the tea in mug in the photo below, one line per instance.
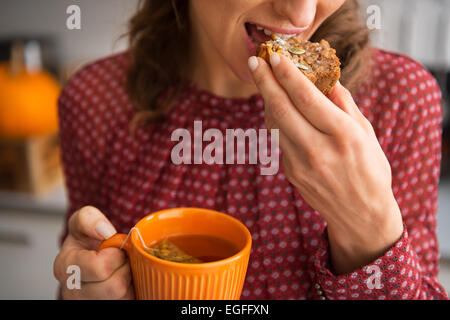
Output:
(193, 248)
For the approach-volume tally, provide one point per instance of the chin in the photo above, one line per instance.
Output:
(238, 66)
(246, 76)
(243, 73)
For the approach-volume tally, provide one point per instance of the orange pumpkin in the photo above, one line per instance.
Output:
(28, 103)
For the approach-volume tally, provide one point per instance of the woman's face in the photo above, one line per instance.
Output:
(235, 28)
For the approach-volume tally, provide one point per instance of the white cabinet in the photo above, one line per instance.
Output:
(28, 246)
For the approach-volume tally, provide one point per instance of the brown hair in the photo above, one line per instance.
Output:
(159, 39)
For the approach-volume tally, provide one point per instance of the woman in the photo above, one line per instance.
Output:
(333, 223)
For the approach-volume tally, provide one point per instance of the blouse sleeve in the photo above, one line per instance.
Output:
(409, 269)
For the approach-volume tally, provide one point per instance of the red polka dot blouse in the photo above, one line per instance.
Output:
(128, 178)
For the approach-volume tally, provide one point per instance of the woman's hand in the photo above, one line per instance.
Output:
(332, 156)
(105, 274)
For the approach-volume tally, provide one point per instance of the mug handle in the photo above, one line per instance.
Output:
(116, 241)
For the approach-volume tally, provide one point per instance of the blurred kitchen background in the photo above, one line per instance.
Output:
(32, 196)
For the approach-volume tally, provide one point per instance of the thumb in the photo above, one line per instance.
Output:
(342, 98)
(90, 223)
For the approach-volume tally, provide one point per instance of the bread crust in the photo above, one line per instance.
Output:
(317, 61)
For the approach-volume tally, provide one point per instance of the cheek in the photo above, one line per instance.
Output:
(243, 72)
(326, 8)
(237, 59)
(209, 16)
(222, 26)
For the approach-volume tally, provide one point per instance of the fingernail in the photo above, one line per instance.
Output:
(105, 229)
(274, 59)
(253, 63)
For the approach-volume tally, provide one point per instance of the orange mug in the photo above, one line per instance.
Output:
(158, 279)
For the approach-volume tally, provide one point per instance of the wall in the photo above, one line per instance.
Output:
(103, 21)
(418, 28)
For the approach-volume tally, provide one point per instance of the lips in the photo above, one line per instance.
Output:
(257, 34)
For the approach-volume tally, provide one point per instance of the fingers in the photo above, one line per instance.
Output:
(94, 266)
(97, 266)
(130, 293)
(280, 113)
(104, 274)
(118, 286)
(309, 101)
(89, 223)
(341, 97)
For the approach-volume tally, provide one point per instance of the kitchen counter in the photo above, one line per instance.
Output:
(53, 202)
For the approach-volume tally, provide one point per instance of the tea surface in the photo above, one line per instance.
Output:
(194, 248)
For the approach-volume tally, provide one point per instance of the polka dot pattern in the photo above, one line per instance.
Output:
(127, 177)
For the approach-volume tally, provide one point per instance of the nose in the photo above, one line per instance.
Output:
(300, 13)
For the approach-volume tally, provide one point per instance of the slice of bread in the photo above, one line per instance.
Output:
(317, 61)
